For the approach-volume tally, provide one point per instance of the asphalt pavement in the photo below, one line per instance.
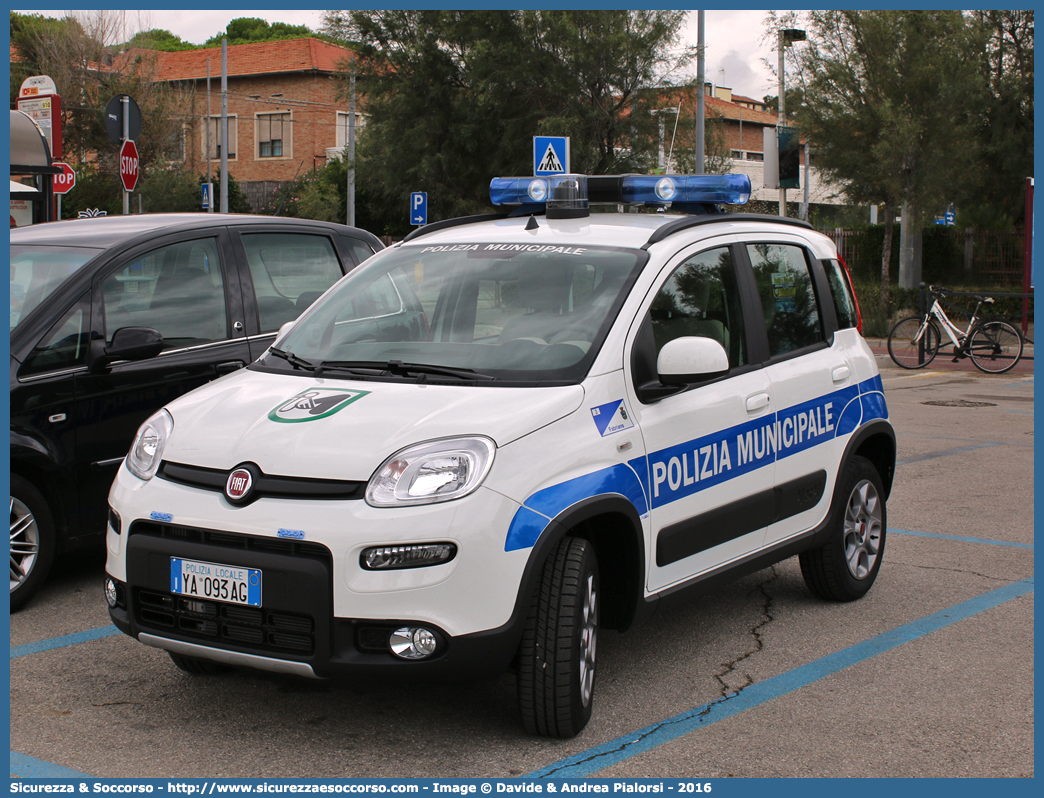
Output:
(929, 675)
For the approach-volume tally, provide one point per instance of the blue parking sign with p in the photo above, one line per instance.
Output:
(419, 207)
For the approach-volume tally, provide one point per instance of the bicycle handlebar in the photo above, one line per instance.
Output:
(937, 290)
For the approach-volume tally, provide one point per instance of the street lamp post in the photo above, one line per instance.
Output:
(787, 36)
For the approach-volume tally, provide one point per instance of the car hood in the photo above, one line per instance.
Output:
(337, 429)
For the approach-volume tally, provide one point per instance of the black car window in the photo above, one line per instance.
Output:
(289, 271)
(841, 293)
(359, 249)
(177, 289)
(788, 299)
(66, 343)
(701, 298)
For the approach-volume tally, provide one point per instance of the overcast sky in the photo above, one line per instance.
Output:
(735, 50)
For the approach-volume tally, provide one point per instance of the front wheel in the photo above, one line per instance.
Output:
(32, 541)
(556, 674)
(845, 567)
(995, 347)
(914, 342)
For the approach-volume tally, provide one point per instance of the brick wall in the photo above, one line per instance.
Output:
(310, 99)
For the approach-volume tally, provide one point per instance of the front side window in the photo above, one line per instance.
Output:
(289, 271)
(701, 298)
(788, 299)
(508, 311)
(37, 271)
(177, 290)
(66, 343)
(272, 131)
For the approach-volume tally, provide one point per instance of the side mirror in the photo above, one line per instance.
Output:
(691, 359)
(129, 343)
(283, 328)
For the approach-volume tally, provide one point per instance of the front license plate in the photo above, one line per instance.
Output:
(209, 580)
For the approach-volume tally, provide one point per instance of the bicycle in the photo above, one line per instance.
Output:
(994, 346)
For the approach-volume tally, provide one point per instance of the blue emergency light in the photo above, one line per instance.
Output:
(570, 195)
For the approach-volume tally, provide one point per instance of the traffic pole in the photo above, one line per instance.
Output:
(125, 101)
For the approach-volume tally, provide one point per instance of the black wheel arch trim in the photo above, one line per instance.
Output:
(628, 565)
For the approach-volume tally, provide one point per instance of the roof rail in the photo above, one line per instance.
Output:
(692, 221)
(442, 225)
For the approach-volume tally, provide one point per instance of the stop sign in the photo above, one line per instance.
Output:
(66, 180)
(129, 165)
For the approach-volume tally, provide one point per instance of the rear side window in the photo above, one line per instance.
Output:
(289, 271)
(788, 299)
(841, 292)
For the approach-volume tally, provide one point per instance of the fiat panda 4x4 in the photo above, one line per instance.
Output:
(508, 432)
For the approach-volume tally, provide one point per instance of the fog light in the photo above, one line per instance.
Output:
(110, 591)
(412, 642)
(413, 555)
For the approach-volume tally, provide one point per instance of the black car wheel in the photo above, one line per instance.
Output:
(32, 541)
(845, 568)
(556, 675)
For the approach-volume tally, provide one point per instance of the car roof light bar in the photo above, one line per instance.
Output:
(569, 196)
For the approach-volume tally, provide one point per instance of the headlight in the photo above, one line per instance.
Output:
(437, 471)
(147, 449)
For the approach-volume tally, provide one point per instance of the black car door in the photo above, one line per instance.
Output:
(284, 269)
(183, 287)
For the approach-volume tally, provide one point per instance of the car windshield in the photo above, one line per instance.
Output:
(37, 271)
(515, 312)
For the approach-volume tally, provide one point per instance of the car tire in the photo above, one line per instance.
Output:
(197, 666)
(845, 567)
(32, 541)
(556, 673)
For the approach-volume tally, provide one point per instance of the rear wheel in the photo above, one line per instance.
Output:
(32, 541)
(909, 347)
(845, 567)
(995, 347)
(556, 674)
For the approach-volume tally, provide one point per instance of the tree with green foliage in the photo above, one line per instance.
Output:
(890, 103)
(1000, 156)
(244, 30)
(81, 53)
(453, 98)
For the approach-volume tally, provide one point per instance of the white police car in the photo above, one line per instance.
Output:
(507, 432)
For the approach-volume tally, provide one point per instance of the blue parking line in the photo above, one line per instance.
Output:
(622, 748)
(64, 640)
(932, 455)
(962, 539)
(27, 767)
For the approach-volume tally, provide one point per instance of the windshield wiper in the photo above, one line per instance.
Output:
(293, 360)
(399, 369)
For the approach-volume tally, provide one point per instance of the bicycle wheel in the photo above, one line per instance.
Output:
(911, 348)
(995, 347)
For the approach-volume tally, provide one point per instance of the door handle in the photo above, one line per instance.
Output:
(229, 366)
(758, 401)
(840, 374)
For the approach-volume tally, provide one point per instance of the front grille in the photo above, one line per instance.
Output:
(214, 622)
(265, 485)
(231, 540)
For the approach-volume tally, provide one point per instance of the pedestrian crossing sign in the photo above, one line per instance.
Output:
(550, 155)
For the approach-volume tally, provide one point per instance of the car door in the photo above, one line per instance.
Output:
(709, 469)
(183, 288)
(283, 271)
(812, 380)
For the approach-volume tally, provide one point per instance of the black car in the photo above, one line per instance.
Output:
(112, 318)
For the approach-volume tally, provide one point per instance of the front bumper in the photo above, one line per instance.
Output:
(322, 615)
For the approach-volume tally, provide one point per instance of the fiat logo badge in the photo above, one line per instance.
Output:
(238, 485)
